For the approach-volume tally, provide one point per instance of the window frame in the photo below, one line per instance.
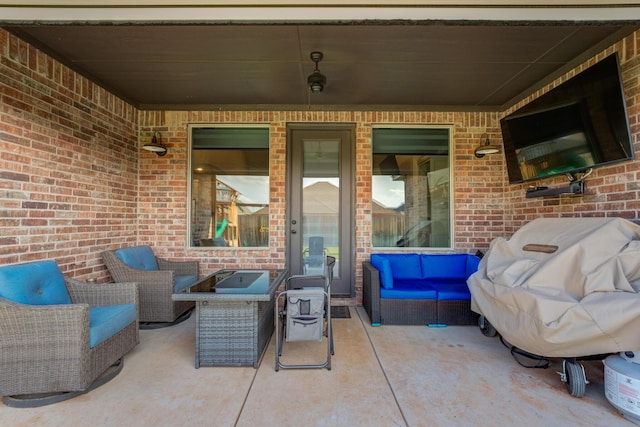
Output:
(190, 176)
(451, 163)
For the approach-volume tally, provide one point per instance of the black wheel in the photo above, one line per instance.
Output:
(486, 328)
(576, 378)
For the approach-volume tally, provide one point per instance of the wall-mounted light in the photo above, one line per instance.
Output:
(156, 146)
(316, 80)
(486, 147)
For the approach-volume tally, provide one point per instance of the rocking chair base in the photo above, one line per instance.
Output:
(42, 399)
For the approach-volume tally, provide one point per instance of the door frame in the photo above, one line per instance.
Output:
(347, 182)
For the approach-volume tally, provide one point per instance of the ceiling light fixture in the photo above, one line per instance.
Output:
(485, 147)
(316, 80)
(155, 146)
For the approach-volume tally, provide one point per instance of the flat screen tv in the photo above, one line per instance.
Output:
(578, 125)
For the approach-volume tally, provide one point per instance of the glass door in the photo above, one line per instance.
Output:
(320, 203)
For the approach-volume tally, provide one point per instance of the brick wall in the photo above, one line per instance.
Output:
(478, 198)
(68, 164)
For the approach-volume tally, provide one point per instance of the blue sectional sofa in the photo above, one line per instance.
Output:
(419, 289)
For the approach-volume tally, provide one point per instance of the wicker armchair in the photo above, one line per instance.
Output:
(157, 280)
(49, 351)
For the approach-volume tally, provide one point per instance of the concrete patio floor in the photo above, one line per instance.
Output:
(380, 376)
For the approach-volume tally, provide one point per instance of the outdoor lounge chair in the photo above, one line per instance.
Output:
(157, 280)
(60, 337)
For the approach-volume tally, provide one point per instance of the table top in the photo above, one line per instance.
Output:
(235, 285)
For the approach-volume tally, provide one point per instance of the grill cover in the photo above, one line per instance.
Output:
(576, 300)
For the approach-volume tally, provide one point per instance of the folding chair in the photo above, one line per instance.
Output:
(305, 316)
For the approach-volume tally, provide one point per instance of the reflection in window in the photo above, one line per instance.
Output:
(411, 196)
(229, 186)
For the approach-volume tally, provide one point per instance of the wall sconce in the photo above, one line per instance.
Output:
(316, 80)
(486, 147)
(155, 146)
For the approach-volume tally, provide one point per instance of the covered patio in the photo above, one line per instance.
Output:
(380, 376)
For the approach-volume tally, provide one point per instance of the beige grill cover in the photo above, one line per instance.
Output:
(580, 300)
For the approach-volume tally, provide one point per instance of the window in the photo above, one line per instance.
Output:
(411, 197)
(229, 190)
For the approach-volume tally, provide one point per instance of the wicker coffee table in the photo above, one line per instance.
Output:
(234, 315)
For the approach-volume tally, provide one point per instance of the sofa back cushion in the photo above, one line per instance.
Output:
(405, 266)
(445, 266)
(36, 283)
(381, 263)
(140, 257)
(472, 265)
(396, 266)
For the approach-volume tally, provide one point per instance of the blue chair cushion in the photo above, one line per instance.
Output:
(381, 263)
(183, 282)
(37, 283)
(405, 266)
(409, 289)
(444, 266)
(140, 257)
(105, 321)
(472, 265)
(451, 290)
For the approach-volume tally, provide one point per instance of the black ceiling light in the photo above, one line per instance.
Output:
(316, 80)
(155, 146)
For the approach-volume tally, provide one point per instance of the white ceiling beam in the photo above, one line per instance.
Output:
(256, 11)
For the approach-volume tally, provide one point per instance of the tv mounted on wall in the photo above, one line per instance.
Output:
(579, 125)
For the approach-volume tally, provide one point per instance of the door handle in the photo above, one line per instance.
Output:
(293, 231)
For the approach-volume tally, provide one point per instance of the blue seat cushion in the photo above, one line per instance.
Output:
(140, 257)
(409, 289)
(451, 290)
(37, 283)
(183, 282)
(105, 321)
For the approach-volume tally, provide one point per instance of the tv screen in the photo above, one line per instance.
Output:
(578, 125)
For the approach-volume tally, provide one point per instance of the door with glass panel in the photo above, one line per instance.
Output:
(319, 203)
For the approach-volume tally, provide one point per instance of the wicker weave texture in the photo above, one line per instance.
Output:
(371, 291)
(155, 286)
(45, 349)
(232, 333)
(456, 312)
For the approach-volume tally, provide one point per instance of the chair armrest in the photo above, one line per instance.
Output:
(371, 291)
(181, 268)
(104, 294)
(54, 329)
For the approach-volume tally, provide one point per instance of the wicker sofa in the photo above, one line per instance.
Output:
(419, 289)
(157, 280)
(60, 337)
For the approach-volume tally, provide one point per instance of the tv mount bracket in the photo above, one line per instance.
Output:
(576, 186)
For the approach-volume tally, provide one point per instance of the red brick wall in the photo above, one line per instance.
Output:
(478, 198)
(68, 164)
